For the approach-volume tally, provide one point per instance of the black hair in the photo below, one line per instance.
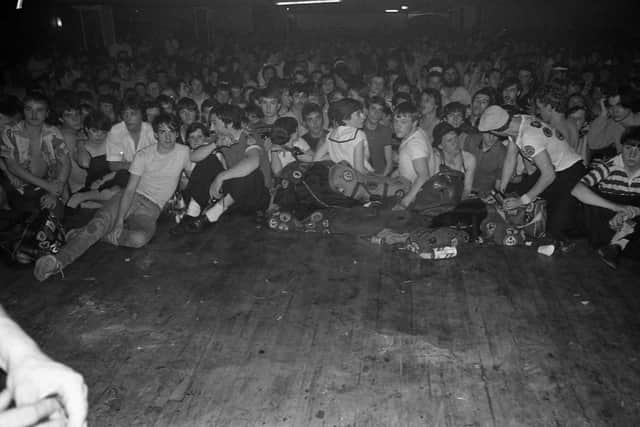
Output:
(165, 119)
(197, 126)
(454, 107)
(165, 99)
(188, 104)
(36, 96)
(486, 91)
(407, 109)
(282, 130)
(228, 113)
(340, 111)
(255, 110)
(400, 98)
(374, 100)
(131, 103)
(97, 120)
(310, 108)
(299, 88)
(432, 93)
(441, 130)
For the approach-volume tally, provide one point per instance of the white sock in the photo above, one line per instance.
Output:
(215, 212)
(193, 209)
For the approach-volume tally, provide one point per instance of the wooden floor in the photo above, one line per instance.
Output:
(245, 327)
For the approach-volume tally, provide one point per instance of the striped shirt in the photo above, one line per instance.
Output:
(611, 177)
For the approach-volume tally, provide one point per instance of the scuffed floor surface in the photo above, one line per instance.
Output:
(241, 326)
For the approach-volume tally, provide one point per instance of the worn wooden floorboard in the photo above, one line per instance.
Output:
(244, 327)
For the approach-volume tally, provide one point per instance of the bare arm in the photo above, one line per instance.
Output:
(321, 152)
(509, 165)
(422, 170)
(244, 167)
(358, 158)
(388, 160)
(202, 152)
(469, 175)
(127, 198)
(25, 175)
(587, 196)
(547, 174)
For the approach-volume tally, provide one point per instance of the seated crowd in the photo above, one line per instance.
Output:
(122, 135)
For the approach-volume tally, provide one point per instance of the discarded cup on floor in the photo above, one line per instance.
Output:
(546, 249)
(443, 252)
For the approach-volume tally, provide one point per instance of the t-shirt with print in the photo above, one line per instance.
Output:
(378, 139)
(160, 173)
(16, 145)
(414, 147)
(120, 145)
(535, 137)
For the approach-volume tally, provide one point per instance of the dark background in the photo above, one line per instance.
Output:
(198, 21)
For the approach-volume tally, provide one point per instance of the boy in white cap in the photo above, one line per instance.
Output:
(559, 166)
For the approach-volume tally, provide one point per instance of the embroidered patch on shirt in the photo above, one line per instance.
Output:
(528, 150)
(536, 124)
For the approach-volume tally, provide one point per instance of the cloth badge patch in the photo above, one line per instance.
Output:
(536, 124)
(528, 150)
(559, 135)
(547, 132)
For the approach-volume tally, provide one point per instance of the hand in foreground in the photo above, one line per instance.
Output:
(628, 212)
(115, 233)
(35, 377)
(45, 412)
(48, 201)
(216, 188)
(511, 203)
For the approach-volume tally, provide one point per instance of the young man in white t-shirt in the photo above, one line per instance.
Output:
(559, 167)
(130, 219)
(415, 154)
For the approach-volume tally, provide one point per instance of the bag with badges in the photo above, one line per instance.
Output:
(511, 228)
(347, 181)
(42, 235)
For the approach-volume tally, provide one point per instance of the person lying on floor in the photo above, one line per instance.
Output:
(130, 218)
(611, 194)
(243, 184)
(44, 391)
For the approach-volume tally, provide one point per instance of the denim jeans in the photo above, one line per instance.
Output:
(139, 227)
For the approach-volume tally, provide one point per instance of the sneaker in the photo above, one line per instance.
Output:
(46, 267)
(610, 254)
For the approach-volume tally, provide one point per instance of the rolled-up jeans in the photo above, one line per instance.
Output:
(139, 227)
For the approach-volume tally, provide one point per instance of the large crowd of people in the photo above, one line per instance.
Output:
(120, 132)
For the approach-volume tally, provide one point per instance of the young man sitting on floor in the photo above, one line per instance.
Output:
(129, 219)
(37, 160)
(243, 184)
(611, 194)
